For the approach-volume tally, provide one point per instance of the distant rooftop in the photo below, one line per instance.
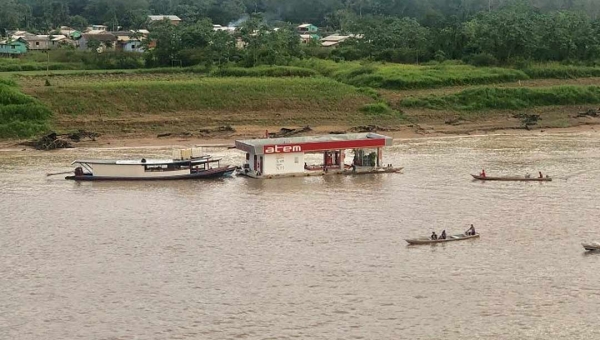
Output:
(162, 17)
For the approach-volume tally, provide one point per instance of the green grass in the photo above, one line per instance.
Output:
(265, 71)
(21, 116)
(485, 98)
(404, 77)
(202, 95)
(558, 71)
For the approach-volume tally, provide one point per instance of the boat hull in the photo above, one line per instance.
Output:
(451, 238)
(213, 173)
(513, 179)
(591, 246)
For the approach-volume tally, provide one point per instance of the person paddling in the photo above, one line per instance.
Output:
(433, 235)
(541, 176)
(482, 173)
(470, 231)
(443, 235)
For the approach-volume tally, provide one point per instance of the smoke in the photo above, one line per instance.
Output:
(238, 21)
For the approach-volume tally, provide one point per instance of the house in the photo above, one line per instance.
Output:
(57, 41)
(37, 42)
(17, 34)
(229, 29)
(69, 32)
(107, 41)
(129, 41)
(13, 47)
(335, 39)
(96, 28)
(307, 29)
(172, 18)
(306, 38)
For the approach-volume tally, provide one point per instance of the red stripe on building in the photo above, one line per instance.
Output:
(323, 146)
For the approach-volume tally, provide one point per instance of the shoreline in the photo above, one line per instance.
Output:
(416, 131)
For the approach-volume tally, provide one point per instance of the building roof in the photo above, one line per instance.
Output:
(314, 143)
(162, 17)
(6, 42)
(58, 37)
(306, 26)
(35, 37)
(100, 36)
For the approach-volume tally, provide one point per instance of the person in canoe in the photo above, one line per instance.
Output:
(470, 231)
(482, 174)
(443, 235)
(541, 176)
(434, 235)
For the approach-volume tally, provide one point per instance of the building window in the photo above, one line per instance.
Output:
(12, 47)
(37, 43)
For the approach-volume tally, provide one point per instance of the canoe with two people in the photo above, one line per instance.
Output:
(484, 177)
(434, 238)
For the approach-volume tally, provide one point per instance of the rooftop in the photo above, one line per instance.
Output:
(315, 143)
(162, 17)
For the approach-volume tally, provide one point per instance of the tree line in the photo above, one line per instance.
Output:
(414, 31)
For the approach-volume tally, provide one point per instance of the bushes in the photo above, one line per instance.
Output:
(265, 71)
(481, 59)
(558, 71)
(376, 109)
(7, 82)
(20, 115)
(17, 67)
(403, 77)
(508, 98)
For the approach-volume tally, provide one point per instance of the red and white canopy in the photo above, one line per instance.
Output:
(313, 144)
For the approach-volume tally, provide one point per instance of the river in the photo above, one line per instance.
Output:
(308, 258)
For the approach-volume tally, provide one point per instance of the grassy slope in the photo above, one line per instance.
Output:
(186, 99)
(117, 103)
(21, 116)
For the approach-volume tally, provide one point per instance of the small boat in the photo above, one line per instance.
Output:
(449, 238)
(593, 246)
(186, 164)
(513, 178)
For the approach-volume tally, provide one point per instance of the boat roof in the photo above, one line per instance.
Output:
(316, 143)
(147, 161)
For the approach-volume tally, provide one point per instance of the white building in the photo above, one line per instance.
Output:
(281, 157)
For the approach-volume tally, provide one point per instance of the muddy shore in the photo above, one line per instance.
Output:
(226, 139)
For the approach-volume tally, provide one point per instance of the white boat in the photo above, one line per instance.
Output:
(185, 164)
(591, 246)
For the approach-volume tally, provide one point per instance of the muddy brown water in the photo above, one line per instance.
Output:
(309, 258)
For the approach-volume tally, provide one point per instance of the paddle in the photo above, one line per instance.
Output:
(59, 173)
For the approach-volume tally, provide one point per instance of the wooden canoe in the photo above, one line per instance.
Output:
(591, 246)
(508, 178)
(449, 238)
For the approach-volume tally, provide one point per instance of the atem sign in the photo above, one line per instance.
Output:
(323, 146)
(282, 148)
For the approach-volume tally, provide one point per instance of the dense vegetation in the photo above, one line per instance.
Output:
(486, 98)
(20, 115)
(480, 32)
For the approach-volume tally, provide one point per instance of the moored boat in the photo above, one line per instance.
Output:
(185, 164)
(513, 178)
(449, 238)
(593, 246)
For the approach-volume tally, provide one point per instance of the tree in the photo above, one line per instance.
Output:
(78, 22)
(94, 44)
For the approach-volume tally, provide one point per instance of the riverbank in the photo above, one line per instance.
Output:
(250, 132)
